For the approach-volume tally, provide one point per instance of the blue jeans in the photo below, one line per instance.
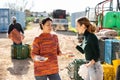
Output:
(50, 77)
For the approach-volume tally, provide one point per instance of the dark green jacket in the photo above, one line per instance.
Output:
(90, 46)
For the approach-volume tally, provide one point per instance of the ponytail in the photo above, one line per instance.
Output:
(90, 28)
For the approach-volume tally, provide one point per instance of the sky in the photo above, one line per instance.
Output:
(50, 5)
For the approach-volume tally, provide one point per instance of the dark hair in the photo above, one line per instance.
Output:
(44, 21)
(87, 23)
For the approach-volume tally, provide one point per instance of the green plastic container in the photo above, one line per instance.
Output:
(110, 20)
(29, 49)
(19, 51)
(118, 20)
(99, 20)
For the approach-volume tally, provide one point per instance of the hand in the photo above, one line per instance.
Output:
(9, 36)
(68, 54)
(40, 58)
(22, 37)
(90, 63)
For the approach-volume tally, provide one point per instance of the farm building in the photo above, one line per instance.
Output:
(5, 18)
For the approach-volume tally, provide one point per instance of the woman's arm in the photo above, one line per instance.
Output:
(35, 48)
(80, 49)
(90, 63)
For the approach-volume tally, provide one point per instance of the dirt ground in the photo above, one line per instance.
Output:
(11, 69)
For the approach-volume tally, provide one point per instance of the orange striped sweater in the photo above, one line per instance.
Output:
(46, 45)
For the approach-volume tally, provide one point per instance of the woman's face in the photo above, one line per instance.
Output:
(47, 27)
(79, 28)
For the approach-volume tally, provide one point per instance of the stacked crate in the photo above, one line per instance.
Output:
(108, 72)
(108, 50)
(111, 47)
(116, 63)
(116, 48)
(102, 50)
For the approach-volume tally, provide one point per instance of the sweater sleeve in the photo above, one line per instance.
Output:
(21, 29)
(58, 48)
(10, 28)
(78, 47)
(35, 48)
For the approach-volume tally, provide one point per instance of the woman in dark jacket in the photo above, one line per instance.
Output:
(90, 47)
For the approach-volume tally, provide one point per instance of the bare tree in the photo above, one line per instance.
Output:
(25, 3)
(16, 5)
(31, 5)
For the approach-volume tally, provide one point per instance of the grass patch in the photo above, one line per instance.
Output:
(28, 27)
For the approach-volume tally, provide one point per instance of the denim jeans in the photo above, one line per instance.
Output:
(95, 72)
(50, 77)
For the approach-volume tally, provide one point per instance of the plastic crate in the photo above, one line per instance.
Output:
(116, 63)
(73, 68)
(19, 51)
(29, 49)
(102, 50)
(108, 72)
(118, 73)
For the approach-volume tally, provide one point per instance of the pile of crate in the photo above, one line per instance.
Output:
(110, 54)
(108, 72)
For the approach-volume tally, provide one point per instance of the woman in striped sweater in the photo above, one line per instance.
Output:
(44, 53)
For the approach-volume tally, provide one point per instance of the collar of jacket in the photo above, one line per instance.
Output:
(86, 33)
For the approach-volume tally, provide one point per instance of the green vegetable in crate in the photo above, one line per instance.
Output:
(19, 51)
(73, 68)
